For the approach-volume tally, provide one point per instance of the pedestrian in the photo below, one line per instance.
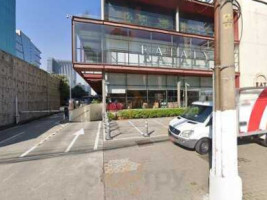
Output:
(66, 113)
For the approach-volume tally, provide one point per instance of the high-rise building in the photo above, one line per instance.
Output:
(26, 50)
(8, 26)
(62, 67)
(157, 53)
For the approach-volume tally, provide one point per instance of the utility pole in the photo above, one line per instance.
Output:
(225, 182)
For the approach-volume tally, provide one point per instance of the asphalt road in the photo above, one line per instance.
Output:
(51, 160)
(47, 159)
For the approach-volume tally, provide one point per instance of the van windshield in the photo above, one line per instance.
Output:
(197, 113)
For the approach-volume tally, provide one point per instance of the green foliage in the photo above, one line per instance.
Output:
(95, 101)
(112, 116)
(78, 92)
(164, 23)
(64, 88)
(146, 113)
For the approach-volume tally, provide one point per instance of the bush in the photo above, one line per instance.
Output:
(146, 113)
(112, 116)
(95, 101)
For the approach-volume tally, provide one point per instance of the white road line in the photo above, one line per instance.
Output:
(136, 128)
(27, 152)
(35, 146)
(40, 143)
(158, 122)
(11, 138)
(97, 136)
(77, 134)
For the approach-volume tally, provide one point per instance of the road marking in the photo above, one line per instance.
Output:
(97, 136)
(158, 122)
(11, 138)
(35, 146)
(27, 152)
(42, 141)
(77, 134)
(136, 128)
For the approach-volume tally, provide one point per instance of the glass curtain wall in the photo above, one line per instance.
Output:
(139, 14)
(104, 44)
(191, 23)
(154, 91)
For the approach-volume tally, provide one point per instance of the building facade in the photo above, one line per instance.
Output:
(253, 44)
(8, 26)
(62, 67)
(149, 54)
(26, 50)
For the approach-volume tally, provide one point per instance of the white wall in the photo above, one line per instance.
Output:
(253, 46)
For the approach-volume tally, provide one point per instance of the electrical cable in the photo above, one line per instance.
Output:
(259, 1)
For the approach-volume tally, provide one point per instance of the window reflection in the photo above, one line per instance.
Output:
(124, 46)
(196, 24)
(140, 14)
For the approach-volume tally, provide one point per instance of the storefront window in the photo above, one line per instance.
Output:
(136, 99)
(157, 99)
(150, 91)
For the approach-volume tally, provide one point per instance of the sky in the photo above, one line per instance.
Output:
(45, 22)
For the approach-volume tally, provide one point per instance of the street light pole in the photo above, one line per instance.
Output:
(225, 182)
(70, 78)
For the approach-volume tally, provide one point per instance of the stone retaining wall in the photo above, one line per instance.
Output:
(35, 89)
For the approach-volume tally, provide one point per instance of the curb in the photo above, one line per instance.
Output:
(122, 143)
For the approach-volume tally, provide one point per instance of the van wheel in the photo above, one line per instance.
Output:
(264, 142)
(203, 146)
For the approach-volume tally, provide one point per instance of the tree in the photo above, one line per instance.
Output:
(78, 92)
(64, 89)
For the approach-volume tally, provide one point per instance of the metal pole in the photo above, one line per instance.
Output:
(186, 94)
(146, 133)
(225, 182)
(17, 110)
(108, 135)
(179, 94)
(70, 84)
(103, 93)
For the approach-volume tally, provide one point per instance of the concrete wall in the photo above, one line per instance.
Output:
(36, 90)
(253, 46)
(86, 113)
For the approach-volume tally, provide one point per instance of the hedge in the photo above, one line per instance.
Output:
(145, 113)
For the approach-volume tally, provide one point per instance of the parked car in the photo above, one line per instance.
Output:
(193, 129)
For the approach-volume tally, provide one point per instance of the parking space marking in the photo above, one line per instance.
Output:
(27, 152)
(11, 137)
(97, 136)
(41, 142)
(136, 128)
(158, 122)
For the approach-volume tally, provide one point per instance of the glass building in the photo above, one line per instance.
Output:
(149, 54)
(8, 26)
(26, 50)
(62, 67)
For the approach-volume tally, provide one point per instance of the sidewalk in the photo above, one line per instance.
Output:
(133, 132)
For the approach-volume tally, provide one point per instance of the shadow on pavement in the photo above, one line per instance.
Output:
(29, 130)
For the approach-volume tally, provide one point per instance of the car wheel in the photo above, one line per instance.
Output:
(264, 141)
(203, 146)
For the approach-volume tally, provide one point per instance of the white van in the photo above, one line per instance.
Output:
(193, 128)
